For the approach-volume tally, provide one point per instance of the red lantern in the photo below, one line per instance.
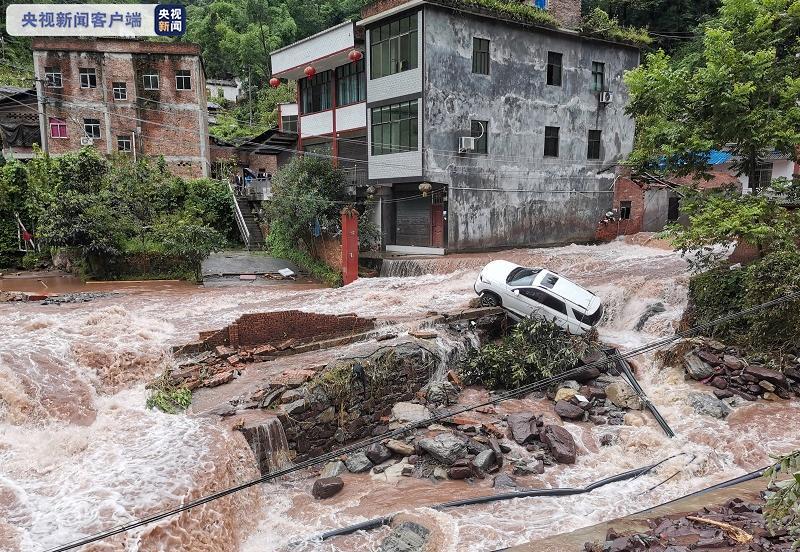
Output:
(310, 71)
(274, 82)
(355, 55)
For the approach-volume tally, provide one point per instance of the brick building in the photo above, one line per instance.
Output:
(122, 95)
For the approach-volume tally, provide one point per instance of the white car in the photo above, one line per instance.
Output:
(527, 292)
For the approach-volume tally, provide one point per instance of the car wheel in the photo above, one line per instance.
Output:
(489, 300)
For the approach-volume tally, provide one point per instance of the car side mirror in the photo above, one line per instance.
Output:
(516, 292)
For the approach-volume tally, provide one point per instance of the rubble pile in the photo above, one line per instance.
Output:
(738, 525)
(734, 374)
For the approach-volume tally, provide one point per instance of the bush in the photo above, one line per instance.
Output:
(533, 350)
(516, 11)
(782, 510)
(599, 23)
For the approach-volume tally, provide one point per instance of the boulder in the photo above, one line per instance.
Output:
(327, 487)
(732, 362)
(565, 394)
(406, 537)
(439, 473)
(708, 405)
(570, 384)
(592, 393)
(523, 427)
(484, 461)
(766, 386)
(399, 447)
(709, 358)
(358, 462)
(719, 382)
(622, 395)
(587, 373)
(697, 368)
(410, 412)
(767, 374)
(377, 453)
(568, 411)
(459, 472)
(529, 467)
(445, 448)
(723, 393)
(504, 480)
(560, 443)
(494, 444)
(332, 469)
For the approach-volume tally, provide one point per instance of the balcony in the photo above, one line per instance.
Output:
(324, 51)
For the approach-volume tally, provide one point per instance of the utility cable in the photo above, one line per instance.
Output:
(525, 389)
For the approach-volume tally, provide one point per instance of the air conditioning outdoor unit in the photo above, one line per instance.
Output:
(606, 97)
(466, 143)
(86, 141)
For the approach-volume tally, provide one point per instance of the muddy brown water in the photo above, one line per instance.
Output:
(79, 452)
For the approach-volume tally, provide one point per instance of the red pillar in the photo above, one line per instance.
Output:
(349, 245)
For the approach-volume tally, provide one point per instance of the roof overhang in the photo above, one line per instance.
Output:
(390, 12)
(323, 51)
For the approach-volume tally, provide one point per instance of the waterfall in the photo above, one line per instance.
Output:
(268, 442)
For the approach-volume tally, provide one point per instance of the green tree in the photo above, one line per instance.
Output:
(738, 92)
(191, 240)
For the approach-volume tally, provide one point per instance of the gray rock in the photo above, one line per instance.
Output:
(767, 374)
(622, 395)
(767, 386)
(297, 407)
(504, 480)
(570, 384)
(442, 392)
(732, 362)
(293, 395)
(568, 411)
(327, 487)
(696, 368)
(652, 310)
(399, 447)
(332, 469)
(445, 447)
(328, 415)
(484, 461)
(439, 473)
(708, 405)
(560, 442)
(406, 537)
(523, 427)
(410, 412)
(358, 462)
(529, 467)
(377, 453)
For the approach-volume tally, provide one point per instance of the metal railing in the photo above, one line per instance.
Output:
(239, 216)
(355, 177)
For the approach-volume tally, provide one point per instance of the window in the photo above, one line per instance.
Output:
(763, 176)
(183, 79)
(120, 90)
(554, 68)
(289, 123)
(58, 128)
(150, 81)
(322, 149)
(53, 78)
(393, 47)
(88, 78)
(91, 128)
(624, 210)
(480, 130)
(480, 56)
(593, 151)
(124, 143)
(522, 276)
(673, 210)
(549, 281)
(589, 319)
(598, 76)
(351, 83)
(315, 92)
(394, 128)
(545, 299)
(551, 141)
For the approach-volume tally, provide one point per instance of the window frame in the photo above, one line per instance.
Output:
(86, 125)
(625, 210)
(594, 146)
(149, 76)
(548, 141)
(116, 88)
(399, 115)
(551, 72)
(179, 76)
(351, 78)
(598, 69)
(531, 292)
(323, 83)
(765, 168)
(401, 33)
(53, 72)
(482, 144)
(58, 123)
(293, 123)
(125, 138)
(91, 77)
(481, 58)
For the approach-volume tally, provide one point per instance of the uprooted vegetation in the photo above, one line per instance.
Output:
(534, 349)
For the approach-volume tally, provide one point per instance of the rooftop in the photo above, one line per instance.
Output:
(115, 45)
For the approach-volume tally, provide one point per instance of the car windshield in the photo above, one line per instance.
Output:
(522, 276)
(589, 319)
(549, 281)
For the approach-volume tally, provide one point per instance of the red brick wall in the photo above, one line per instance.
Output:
(625, 189)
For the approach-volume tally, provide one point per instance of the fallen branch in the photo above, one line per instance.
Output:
(739, 535)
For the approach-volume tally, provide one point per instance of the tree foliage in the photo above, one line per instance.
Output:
(599, 23)
(782, 510)
(738, 92)
(534, 349)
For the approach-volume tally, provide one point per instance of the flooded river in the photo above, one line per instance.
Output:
(79, 452)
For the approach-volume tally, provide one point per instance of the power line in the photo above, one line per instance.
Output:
(525, 389)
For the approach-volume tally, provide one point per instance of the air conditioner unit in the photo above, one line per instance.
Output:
(606, 97)
(466, 143)
(86, 141)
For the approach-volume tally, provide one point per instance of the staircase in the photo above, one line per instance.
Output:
(253, 238)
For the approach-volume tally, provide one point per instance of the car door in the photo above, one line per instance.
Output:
(546, 306)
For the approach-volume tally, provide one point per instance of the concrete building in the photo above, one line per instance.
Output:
(129, 96)
(19, 122)
(226, 89)
(482, 132)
